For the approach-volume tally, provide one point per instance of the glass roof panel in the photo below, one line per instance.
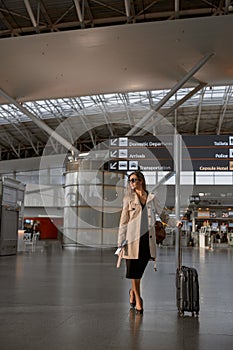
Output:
(65, 107)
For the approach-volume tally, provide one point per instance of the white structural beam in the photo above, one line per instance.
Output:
(173, 108)
(194, 69)
(226, 98)
(177, 8)
(199, 112)
(40, 123)
(30, 13)
(127, 10)
(79, 12)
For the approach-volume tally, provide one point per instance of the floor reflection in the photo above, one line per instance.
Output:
(189, 328)
(135, 322)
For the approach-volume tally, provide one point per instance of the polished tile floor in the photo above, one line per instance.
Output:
(76, 299)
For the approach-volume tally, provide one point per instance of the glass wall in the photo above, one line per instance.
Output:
(55, 176)
(197, 178)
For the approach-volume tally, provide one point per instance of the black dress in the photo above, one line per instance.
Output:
(136, 267)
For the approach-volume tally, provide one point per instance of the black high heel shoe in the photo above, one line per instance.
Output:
(140, 311)
(133, 304)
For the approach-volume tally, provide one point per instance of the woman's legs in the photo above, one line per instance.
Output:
(132, 299)
(137, 293)
(136, 267)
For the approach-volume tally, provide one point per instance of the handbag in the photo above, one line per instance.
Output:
(159, 232)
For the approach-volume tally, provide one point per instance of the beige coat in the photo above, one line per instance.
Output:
(130, 223)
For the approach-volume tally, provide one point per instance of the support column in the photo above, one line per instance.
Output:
(177, 161)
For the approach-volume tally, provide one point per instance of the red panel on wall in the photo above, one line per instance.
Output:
(47, 227)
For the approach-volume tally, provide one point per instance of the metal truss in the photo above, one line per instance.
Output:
(28, 17)
(58, 109)
(209, 110)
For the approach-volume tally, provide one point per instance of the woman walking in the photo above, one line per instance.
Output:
(137, 230)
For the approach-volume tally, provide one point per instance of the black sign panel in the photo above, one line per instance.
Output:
(208, 140)
(152, 153)
(207, 153)
(147, 153)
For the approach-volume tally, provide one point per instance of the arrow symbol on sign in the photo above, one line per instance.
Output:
(113, 154)
(113, 165)
(113, 142)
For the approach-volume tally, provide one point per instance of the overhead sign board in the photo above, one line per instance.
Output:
(208, 152)
(151, 153)
(147, 153)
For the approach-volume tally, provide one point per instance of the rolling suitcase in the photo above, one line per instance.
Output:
(187, 287)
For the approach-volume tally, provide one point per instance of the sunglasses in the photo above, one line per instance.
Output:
(133, 180)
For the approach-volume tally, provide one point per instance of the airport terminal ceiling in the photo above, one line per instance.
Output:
(96, 68)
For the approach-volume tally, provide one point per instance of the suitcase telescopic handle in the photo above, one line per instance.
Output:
(179, 232)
